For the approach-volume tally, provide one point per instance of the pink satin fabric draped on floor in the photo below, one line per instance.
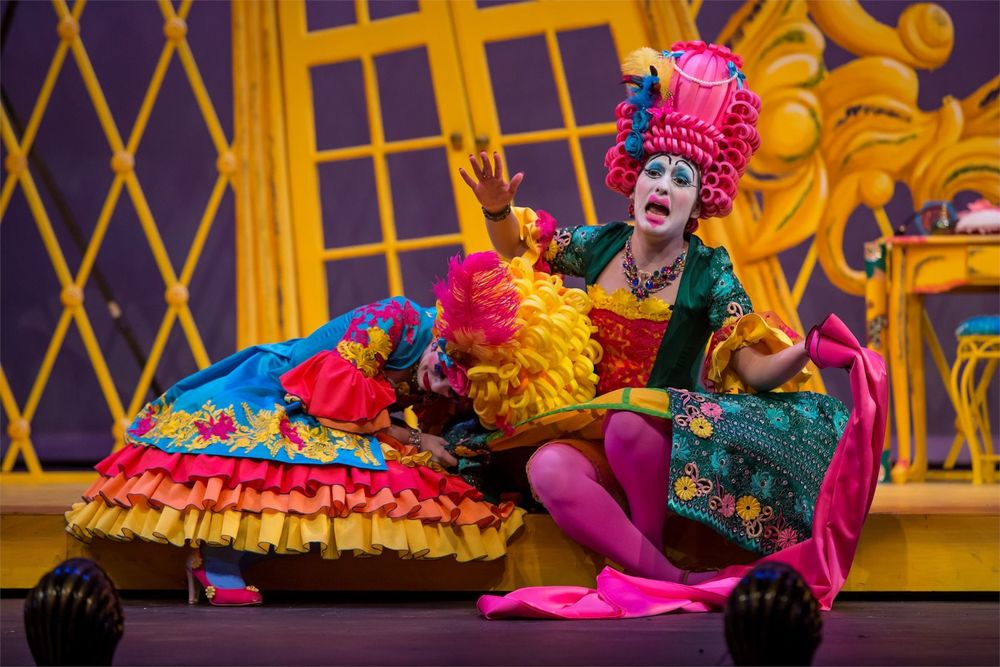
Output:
(824, 560)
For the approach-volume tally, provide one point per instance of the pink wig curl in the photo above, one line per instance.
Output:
(708, 116)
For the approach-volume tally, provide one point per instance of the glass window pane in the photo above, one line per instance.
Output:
(487, 4)
(523, 86)
(593, 73)
(549, 181)
(340, 105)
(422, 268)
(383, 9)
(422, 197)
(322, 14)
(355, 282)
(349, 204)
(406, 94)
(608, 204)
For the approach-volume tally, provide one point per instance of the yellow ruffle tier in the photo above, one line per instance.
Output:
(356, 534)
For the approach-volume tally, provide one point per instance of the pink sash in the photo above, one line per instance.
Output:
(824, 560)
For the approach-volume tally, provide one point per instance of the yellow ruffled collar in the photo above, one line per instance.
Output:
(624, 303)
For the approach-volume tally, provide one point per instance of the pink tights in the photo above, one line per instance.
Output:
(638, 449)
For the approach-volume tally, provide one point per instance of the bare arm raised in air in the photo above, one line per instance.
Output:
(495, 196)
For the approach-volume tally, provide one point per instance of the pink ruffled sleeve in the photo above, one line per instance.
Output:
(333, 388)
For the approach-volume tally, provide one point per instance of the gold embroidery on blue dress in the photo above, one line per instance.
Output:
(269, 429)
(367, 358)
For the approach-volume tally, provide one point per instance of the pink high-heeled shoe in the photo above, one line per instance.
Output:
(219, 597)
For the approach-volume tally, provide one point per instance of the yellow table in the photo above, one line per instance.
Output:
(901, 270)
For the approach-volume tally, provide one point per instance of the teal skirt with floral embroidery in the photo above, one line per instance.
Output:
(750, 465)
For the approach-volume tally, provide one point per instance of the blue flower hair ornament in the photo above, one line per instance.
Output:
(645, 95)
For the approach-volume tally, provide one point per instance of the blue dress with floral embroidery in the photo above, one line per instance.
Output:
(238, 406)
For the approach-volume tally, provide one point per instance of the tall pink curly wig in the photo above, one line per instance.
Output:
(708, 115)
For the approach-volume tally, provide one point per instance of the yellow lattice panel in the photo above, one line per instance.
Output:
(72, 51)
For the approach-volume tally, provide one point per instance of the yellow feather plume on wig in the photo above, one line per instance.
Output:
(637, 64)
(550, 361)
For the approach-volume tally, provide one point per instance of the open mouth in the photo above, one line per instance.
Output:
(658, 208)
(427, 381)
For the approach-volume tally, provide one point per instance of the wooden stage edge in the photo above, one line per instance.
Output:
(933, 537)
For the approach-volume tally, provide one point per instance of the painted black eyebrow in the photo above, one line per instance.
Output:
(689, 165)
(670, 161)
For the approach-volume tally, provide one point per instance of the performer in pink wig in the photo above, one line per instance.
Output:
(685, 482)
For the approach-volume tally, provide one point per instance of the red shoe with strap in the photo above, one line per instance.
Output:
(220, 597)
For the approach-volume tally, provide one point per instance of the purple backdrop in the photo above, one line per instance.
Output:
(175, 163)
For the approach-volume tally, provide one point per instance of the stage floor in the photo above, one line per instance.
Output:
(353, 631)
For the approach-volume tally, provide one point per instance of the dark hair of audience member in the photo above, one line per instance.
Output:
(73, 616)
(772, 618)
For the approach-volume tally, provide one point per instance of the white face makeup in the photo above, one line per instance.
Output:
(666, 196)
(430, 373)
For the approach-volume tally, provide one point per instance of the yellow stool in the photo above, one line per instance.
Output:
(978, 340)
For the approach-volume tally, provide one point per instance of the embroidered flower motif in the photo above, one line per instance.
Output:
(723, 284)
(356, 354)
(379, 343)
(805, 508)
(748, 507)
(713, 410)
(786, 537)
(216, 427)
(839, 421)
(701, 427)
(290, 433)
(731, 407)
(681, 450)
(685, 488)
(727, 505)
(778, 418)
(367, 358)
(807, 410)
(719, 462)
(762, 482)
(146, 423)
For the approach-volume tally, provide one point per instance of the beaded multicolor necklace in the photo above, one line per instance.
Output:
(641, 283)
